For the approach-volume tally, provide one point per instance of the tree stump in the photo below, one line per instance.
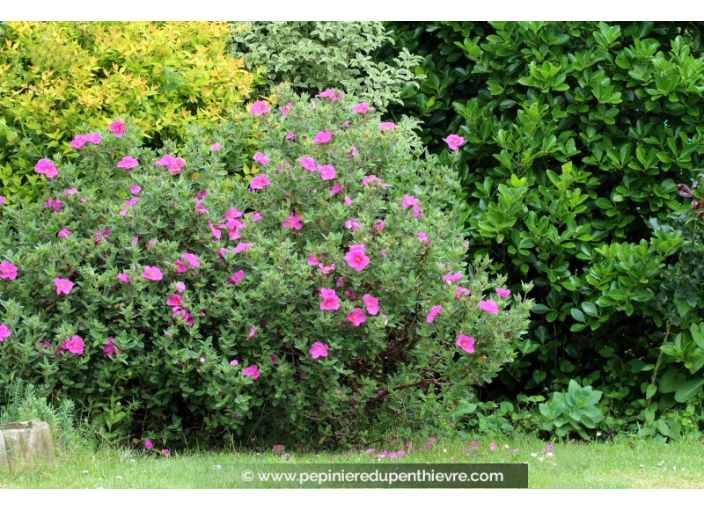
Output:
(25, 443)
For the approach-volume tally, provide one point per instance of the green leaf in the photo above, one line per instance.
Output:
(688, 390)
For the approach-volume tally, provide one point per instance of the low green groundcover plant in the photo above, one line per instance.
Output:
(328, 295)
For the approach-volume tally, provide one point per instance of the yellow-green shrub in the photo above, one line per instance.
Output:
(54, 77)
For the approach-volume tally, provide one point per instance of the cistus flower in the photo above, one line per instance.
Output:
(63, 286)
(74, 345)
(4, 332)
(127, 162)
(488, 306)
(308, 164)
(454, 142)
(327, 172)
(356, 316)
(166, 160)
(361, 108)
(191, 259)
(47, 168)
(330, 94)
(215, 147)
(148, 444)
(259, 182)
(329, 301)
(371, 303)
(503, 292)
(176, 165)
(152, 273)
(64, 233)
(322, 137)
(117, 128)
(261, 158)
(461, 291)
(449, 278)
(180, 287)
(237, 277)
(293, 221)
(387, 126)
(335, 189)
(356, 258)
(259, 108)
(434, 311)
(408, 201)
(285, 109)
(109, 348)
(466, 343)
(123, 277)
(319, 350)
(423, 237)
(251, 371)
(135, 189)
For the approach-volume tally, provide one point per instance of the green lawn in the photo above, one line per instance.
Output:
(642, 464)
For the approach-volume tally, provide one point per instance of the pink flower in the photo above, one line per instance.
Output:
(191, 259)
(127, 162)
(63, 286)
(356, 258)
(384, 126)
(174, 300)
(285, 109)
(199, 206)
(379, 224)
(4, 332)
(180, 266)
(75, 345)
(293, 221)
(251, 370)
(351, 153)
(452, 278)
(329, 93)
(180, 287)
(348, 201)
(135, 240)
(53, 204)
(313, 260)
(236, 277)
(166, 160)
(308, 164)
(123, 277)
(454, 142)
(252, 332)
(2, 200)
(408, 201)
(466, 343)
(135, 189)
(64, 233)
(234, 363)
(434, 310)
(70, 191)
(256, 217)
(327, 172)
(493, 447)
(78, 141)
(148, 444)
(423, 237)
(353, 225)
(259, 108)
(329, 301)
(322, 137)
(416, 212)
(361, 108)
(117, 128)
(93, 138)
(176, 166)
(357, 316)
(488, 306)
(261, 158)
(290, 136)
(461, 291)
(371, 303)
(152, 273)
(241, 247)
(259, 182)
(165, 452)
(503, 292)
(326, 269)
(46, 167)
(215, 146)
(109, 348)
(216, 232)
(319, 350)
(335, 189)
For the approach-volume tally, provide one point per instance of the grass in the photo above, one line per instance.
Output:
(641, 464)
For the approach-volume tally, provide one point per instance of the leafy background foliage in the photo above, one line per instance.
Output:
(59, 78)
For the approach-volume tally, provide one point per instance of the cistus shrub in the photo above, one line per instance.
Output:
(328, 295)
(315, 55)
(58, 77)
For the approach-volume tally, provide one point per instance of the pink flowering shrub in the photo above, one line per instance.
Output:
(215, 305)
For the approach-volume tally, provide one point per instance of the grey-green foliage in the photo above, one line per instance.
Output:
(316, 55)
(572, 411)
(22, 402)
